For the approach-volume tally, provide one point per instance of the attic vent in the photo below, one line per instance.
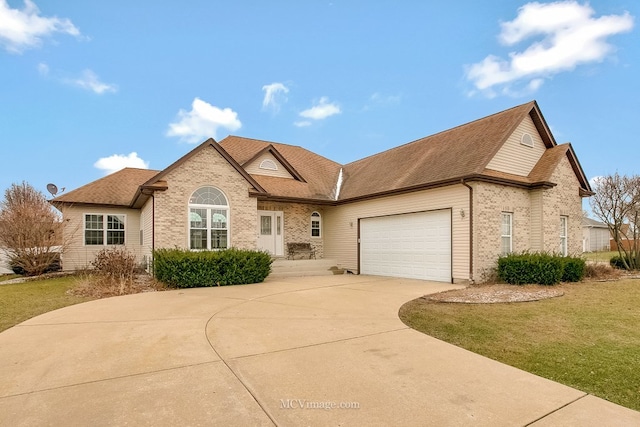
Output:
(269, 165)
(526, 140)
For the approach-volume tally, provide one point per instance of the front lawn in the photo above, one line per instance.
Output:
(588, 339)
(604, 256)
(22, 301)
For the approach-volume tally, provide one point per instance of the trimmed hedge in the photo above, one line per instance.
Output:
(182, 268)
(540, 268)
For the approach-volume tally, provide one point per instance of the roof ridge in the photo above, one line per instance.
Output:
(261, 140)
(441, 132)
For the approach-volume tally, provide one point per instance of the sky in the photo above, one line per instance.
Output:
(87, 88)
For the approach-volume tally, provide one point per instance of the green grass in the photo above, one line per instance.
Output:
(604, 256)
(588, 339)
(22, 301)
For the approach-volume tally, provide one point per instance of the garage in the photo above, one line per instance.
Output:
(415, 246)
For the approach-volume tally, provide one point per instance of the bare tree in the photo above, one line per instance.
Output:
(617, 204)
(30, 229)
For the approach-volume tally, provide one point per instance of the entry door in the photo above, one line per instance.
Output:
(270, 232)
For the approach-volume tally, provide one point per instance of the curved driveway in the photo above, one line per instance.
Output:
(305, 351)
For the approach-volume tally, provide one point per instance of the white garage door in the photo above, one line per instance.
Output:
(416, 246)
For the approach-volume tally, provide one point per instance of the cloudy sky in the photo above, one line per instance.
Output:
(87, 88)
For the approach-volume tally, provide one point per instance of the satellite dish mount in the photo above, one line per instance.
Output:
(53, 189)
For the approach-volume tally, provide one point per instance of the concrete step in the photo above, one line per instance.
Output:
(304, 267)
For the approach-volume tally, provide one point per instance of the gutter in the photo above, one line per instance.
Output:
(462, 181)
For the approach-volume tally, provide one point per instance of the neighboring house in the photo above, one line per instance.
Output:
(5, 268)
(440, 208)
(595, 235)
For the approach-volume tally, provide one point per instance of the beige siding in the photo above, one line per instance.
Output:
(254, 167)
(146, 223)
(536, 220)
(78, 255)
(204, 168)
(516, 158)
(341, 223)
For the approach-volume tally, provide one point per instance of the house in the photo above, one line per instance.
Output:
(439, 208)
(595, 235)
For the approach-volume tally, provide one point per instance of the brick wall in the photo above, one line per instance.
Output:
(297, 223)
(204, 168)
(491, 200)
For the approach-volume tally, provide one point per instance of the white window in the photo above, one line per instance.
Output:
(100, 229)
(208, 219)
(316, 226)
(507, 233)
(564, 249)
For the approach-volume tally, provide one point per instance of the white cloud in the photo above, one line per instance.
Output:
(593, 182)
(24, 29)
(90, 81)
(321, 110)
(116, 162)
(202, 122)
(302, 123)
(43, 69)
(567, 35)
(274, 96)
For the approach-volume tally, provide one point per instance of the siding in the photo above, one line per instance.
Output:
(254, 167)
(341, 224)
(536, 220)
(77, 255)
(146, 223)
(516, 158)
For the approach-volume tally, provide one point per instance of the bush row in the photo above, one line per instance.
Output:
(186, 269)
(540, 268)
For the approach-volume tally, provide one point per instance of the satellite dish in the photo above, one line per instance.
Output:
(53, 189)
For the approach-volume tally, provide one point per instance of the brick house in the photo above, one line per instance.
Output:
(439, 208)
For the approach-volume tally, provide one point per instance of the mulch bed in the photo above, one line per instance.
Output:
(490, 294)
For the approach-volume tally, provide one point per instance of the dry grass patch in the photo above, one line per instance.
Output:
(97, 286)
(588, 339)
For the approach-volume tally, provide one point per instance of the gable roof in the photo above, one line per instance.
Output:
(453, 156)
(444, 157)
(589, 222)
(116, 189)
(315, 176)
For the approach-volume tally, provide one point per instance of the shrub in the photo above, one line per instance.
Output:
(51, 263)
(617, 262)
(574, 269)
(186, 269)
(601, 271)
(540, 268)
(117, 264)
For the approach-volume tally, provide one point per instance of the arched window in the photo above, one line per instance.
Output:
(316, 226)
(208, 219)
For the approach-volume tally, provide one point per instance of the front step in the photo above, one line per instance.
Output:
(304, 267)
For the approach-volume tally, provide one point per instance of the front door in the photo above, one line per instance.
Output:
(270, 232)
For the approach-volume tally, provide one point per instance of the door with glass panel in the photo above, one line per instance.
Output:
(270, 232)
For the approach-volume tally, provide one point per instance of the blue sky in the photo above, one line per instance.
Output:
(90, 87)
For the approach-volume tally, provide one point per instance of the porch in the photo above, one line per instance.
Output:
(283, 267)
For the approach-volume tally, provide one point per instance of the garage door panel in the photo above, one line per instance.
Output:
(410, 245)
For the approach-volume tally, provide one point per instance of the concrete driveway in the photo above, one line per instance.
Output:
(308, 351)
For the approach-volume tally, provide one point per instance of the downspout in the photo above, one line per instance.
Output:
(470, 229)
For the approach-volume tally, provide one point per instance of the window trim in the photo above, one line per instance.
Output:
(105, 229)
(210, 226)
(315, 214)
(509, 236)
(564, 235)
